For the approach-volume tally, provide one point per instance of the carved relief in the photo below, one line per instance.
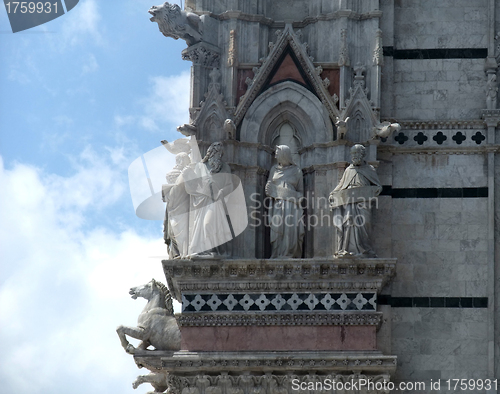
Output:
(344, 60)
(202, 54)
(270, 383)
(231, 53)
(378, 53)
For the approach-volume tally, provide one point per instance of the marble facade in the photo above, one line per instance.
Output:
(428, 306)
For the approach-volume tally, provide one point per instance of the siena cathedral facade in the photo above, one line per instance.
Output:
(415, 83)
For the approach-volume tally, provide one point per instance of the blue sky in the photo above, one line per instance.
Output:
(81, 97)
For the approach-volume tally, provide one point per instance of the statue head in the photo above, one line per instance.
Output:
(182, 160)
(284, 155)
(358, 153)
(214, 157)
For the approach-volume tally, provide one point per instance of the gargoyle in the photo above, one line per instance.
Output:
(175, 23)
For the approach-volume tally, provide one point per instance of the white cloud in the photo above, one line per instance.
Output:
(167, 103)
(164, 108)
(64, 288)
(81, 22)
(90, 65)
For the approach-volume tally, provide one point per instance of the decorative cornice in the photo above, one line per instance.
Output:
(467, 150)
(279, 319)
(440, 124)
(308, 20)
(185, 362)
(216, 276)
(268, 286)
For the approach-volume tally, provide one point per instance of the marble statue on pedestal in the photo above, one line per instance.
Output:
(156, 325)
(285, 187)
(350, 202)
(175, 230)
(208, 183)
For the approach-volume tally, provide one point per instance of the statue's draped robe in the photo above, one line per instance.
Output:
(208, 223)
(353, 221)
(287, 228)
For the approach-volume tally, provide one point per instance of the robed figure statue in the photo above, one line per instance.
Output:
(285, 187)
(351, 201)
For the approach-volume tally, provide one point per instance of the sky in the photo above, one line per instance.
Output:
(81, 97)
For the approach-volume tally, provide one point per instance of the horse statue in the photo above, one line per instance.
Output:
(156, 325)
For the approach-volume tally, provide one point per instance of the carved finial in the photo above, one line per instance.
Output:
(214, 79)
(344, 51)
(378, 53)
(231, 58)
(359, 78)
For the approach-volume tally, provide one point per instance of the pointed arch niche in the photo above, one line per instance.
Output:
(286, 107)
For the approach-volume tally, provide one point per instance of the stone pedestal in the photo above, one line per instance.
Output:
(259, 326)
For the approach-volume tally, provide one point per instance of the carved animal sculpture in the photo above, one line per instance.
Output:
(156, 325)
(175, 23)
(178, 146)
(230, 129)
(157, 380)
(341, 128)
(385, 129)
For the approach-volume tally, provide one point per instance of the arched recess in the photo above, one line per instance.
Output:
(286, 102)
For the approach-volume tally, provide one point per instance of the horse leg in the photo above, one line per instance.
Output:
(134, 332)
(143, 345)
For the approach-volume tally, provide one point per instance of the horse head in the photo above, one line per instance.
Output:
(152, 289)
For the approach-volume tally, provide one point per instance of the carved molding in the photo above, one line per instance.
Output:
(468, 150)
(441, 124)
(278, 302)
(202, 54)
(186, 362)
(216, 276)
(279, 319)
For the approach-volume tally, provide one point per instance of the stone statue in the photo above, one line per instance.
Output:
(156, 325)
(385, 129)
(157, 380)
(175, 23)
(207, 183)
(350, 202)
(175, 230)
(341, 128)
(229, 129)
(492, 91)
(285, 187)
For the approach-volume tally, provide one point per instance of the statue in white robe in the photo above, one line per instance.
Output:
(285, 187)
(351, 201)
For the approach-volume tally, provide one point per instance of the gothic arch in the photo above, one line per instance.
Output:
(287, 102)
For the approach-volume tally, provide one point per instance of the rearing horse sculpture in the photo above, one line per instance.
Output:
(156, 325)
